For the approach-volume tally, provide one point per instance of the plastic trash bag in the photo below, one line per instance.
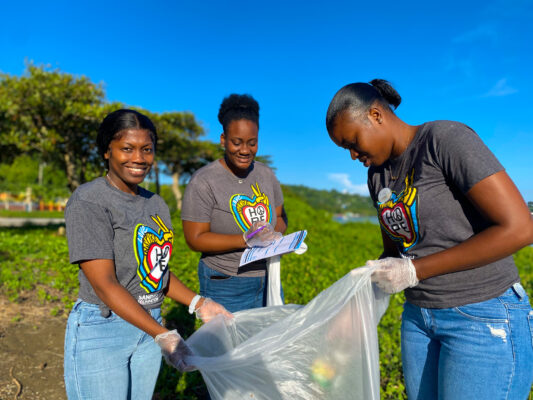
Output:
(327, 349)
(274, 280)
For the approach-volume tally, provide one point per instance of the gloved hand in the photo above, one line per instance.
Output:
(261, 234)
(392, 274)
(175, 350)
(302, 249)
(209, 308)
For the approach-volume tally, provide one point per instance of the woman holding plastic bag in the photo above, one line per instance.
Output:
(230, 204)
(325, 350)
(121, 237)
(451, 219)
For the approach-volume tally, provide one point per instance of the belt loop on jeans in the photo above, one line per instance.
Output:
(519, 290)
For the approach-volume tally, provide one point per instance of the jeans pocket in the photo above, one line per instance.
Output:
(219, 277)
(491, 310)
(93, 316)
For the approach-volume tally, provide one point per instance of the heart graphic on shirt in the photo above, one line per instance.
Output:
(254, 212)
(397, 221)
(248, 210)
(152, 251)
(158, 257)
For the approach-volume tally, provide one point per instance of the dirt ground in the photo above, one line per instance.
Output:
(31, 352)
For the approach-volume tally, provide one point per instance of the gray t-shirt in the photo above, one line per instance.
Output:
(231, 205)
(429, 212)
(135, 231)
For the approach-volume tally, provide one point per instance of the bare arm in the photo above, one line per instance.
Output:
(199, 237)
(101, 275)
(281, 219)
(498, 199)
(177, 291)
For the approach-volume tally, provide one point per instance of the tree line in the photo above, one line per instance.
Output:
(48, 125)
(52, 117)
(333, 201)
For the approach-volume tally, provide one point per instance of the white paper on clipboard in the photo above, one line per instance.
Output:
(286, 244)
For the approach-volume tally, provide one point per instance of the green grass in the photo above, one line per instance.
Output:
(31, 214)
(36, 260)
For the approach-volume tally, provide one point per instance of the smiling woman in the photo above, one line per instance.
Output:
(225, 202)
(130, 157)
(121, 237)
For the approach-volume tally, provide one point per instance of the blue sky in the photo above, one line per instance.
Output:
(460, 60)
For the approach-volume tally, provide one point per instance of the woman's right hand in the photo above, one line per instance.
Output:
(261, 234)
(392, 274)
(175, 350)
(209, 309)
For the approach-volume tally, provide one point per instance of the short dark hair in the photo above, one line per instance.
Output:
(118, 121)
(359, 97)
(238, 106)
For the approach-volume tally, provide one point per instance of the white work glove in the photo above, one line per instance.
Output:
(175, 350)
(261, 234)
(209, 309)
(393, 275)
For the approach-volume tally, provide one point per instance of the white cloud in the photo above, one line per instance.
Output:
(501, 88)
(481, 33)
(347, 185)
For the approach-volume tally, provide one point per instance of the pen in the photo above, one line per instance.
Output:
(255, 232)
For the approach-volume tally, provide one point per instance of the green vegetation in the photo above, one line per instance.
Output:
(31, 214)
(48, 125)
(46, 182)
(333, 201)
(36, 260)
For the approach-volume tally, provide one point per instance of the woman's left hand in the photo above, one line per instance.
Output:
(209, 309)
(393, 275)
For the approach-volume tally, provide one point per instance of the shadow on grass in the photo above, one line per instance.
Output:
(30, 227)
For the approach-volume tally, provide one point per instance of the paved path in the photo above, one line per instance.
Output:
(16, 222)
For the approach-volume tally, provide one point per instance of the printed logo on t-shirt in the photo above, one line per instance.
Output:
(152, 251)
(248, 210)
(398, 215)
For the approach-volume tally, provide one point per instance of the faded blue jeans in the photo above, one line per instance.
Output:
(235, 293)
(108, 358)
(476, 351)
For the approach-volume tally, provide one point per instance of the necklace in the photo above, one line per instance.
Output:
(394, 177)
(112, 183)
(225, 165)
(133, 192)
(385, 194)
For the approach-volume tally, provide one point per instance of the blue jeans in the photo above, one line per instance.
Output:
(108, 358)
(235, 293)
(476, 351)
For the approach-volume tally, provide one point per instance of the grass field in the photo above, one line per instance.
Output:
(30, 214)
(36, 259)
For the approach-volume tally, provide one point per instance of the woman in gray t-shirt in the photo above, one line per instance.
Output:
(227, 198)
(451, 218)
(121, 237)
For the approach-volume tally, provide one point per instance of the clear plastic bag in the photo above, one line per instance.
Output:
(327, 349)
(274, 282)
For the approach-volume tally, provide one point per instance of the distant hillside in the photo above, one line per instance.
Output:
(332, 200)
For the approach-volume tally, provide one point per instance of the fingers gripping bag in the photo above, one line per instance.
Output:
(327, 349)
